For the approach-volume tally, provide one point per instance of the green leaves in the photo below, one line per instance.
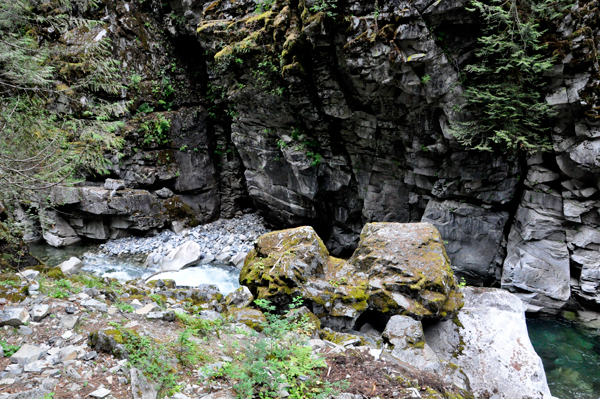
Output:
(504, 108)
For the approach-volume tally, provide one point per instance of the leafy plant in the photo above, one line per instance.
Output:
(125, 307)
(151, 358)
(505, 109)
(277, 359)
(425, 79)
(264, 5)
(156, 130)
(9, 349)
(326, 6)
(144, 108)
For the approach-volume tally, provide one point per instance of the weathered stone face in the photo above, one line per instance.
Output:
(397, 269)
(409, 271)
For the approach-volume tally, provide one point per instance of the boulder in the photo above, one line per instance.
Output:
(238, 260)
(409, 271)
(113, 184)
(488, 341)
(396, 269)
(240, 298)
(27, 354)
(180, 257)
(73, 265)
(14, 317)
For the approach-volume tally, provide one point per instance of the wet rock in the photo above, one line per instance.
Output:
(14, 317)
(488, 341)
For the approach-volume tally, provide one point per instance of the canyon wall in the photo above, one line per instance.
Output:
(338, 117)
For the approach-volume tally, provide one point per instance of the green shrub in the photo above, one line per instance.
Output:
(277, 360)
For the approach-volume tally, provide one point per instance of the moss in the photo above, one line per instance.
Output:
(55, 273)
(117, 335)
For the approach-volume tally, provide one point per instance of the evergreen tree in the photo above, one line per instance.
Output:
(505, 108)
(57, 77)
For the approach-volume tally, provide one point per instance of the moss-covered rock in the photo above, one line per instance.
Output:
(253, 318)
(409, 271)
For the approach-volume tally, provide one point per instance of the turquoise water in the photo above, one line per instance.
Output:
(571, 357)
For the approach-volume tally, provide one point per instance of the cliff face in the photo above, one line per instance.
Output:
(336, 121)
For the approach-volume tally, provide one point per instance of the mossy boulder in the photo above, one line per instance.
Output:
(295, 262)
(253, 318)
(409, 271)
(110, 341)
(396, 269)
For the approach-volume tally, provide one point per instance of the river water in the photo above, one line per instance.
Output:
(128, 268)
(571, 354)
(571, 357)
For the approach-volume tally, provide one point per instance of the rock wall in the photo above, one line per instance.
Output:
(337, 121)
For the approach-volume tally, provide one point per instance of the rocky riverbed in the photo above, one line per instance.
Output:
(225, 240)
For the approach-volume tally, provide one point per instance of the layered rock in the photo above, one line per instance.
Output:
(396, 269)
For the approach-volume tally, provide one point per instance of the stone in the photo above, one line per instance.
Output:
(164, 193)
(100, 393)
(112, 184)
(68, 322)
(24, 330)
(105, 341)
(224, 394)
(238, 260)
(163, 315)
(40, 311)
(410, 259)
(14, 317)
(29, 274)
(136, 304)
(253, 318)
(240, 298)
(95, 305)
(146, 309)
(472, 238)
(35, 367)
(180, 257)
(140, 387)
(209, 315)
(490, 344)
(68, 353)
(27, 354)
(408, 340)
(73, 265)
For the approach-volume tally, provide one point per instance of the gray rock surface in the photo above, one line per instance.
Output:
(537, 267)
(489, 343)
(182, 256)
(473, 238)
(140, 387)
(73, 265)
(27, 354)
(14, 317)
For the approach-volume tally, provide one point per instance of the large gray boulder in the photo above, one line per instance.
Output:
(73, 265)
(14, 317)
(488, 341)
(180, 257)
(473, 236)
